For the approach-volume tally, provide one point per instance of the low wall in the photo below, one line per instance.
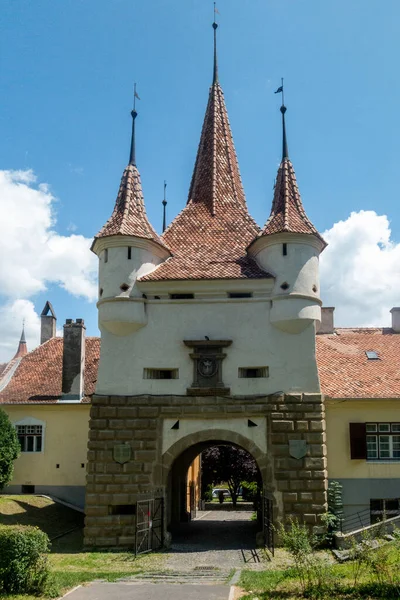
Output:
(343, 540)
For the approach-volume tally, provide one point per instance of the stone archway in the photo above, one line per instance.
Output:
(178, 458)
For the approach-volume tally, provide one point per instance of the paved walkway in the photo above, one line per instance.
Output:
(149, 591)
(222, 539)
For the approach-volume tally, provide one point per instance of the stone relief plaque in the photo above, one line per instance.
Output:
(122, 453)
(207, 366)
(207, 356)
(298, 448)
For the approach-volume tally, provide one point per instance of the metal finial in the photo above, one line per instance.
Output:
(23, 339)
(283, 109)
(132, 155)
(215, 27)
(164, 202)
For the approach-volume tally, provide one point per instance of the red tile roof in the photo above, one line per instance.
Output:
(129, 216)
(2, 368)
(210, 235)
(346, 372)
(287, 213)
(344, 369)
(39, 373)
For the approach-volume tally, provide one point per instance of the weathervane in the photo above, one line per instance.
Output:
(285, 152)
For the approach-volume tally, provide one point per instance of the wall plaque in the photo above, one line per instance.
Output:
(298, 448)
(207, 359)
(122, 453)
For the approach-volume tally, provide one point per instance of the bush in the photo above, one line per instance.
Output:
(23, 560)
(9, 449)
(249, 490)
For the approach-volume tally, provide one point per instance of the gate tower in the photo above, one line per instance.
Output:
(207, 335)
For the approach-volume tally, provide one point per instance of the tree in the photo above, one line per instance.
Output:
(9, 449)
(230, 464)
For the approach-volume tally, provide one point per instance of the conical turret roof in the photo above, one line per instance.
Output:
(129, 216)
(22, 347)
(287, 213)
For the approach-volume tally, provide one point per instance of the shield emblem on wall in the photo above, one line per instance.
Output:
(297, 448)
(122, 453)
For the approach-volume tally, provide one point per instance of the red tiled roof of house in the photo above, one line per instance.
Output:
(2, 368)
(129, 216)
(209, 237)
(38, 376)
(287, 213)
(344, 369)
(346, 372)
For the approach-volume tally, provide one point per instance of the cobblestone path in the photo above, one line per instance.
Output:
(221, 539)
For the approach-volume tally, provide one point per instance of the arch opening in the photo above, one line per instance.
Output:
(195, 521)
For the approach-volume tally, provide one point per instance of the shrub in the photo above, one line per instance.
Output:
(23, 560)
(249, 490)
(9, 449)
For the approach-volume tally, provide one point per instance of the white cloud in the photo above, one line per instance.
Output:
(360, 270)
(32, 253)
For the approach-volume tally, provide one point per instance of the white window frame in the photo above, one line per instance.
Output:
(32, 421)
(375, 436)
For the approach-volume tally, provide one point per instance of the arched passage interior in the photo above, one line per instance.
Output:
(176, 464)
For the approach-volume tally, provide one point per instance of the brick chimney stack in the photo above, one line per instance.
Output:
(48, 322)
(327, 323)
(73, 371)
(396, 319)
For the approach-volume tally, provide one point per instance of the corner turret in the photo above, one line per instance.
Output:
(289, 247)
(128, 247)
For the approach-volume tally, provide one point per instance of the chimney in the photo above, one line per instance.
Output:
(73, 360)
(48, 321)
(396, 319)
(327, 325)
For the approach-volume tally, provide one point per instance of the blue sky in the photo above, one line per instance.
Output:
(66, 87)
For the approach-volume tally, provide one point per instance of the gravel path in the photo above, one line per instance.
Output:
(219, 539)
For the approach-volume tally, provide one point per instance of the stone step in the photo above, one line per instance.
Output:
(208, 576)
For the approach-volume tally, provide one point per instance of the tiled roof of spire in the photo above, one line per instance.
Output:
(129, 215)
(210, 235)
(22, 347)
(287, 213)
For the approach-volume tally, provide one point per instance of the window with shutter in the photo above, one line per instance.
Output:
(358, 441)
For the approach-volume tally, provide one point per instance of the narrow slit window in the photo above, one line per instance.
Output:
(284, 249)
(106, 255)
(160, 373)
(240, 295)
(181, 296)
(129, 252)
(253, 372)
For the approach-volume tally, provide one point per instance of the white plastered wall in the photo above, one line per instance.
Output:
(255, 343)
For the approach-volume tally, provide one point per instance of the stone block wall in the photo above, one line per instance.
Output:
(297, 486)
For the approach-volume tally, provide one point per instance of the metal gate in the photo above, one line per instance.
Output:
(149, 525)
(268, 524)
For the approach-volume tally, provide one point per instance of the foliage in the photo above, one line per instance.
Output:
(250, 490)
(207, 494)
(23, 561)
(9, 449)
(313, 572)
(230, 464)
(335, 503)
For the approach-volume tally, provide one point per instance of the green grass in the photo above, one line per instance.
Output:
(69, 564)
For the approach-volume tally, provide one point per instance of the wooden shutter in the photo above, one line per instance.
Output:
(358, 441)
